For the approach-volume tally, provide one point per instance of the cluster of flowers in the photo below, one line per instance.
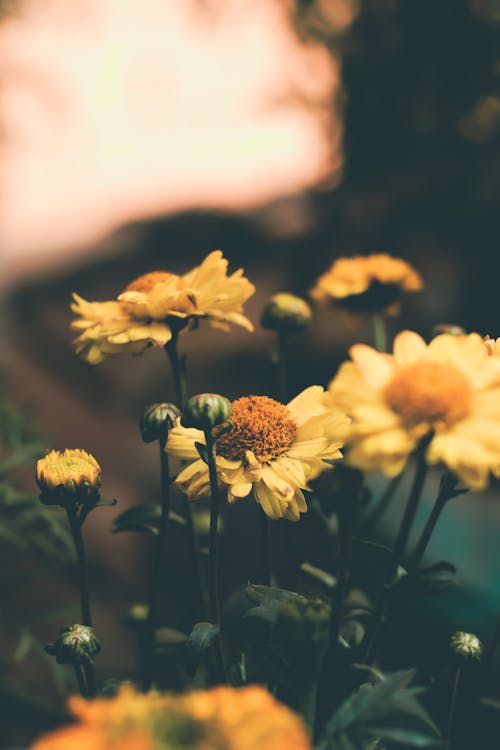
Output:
(439, 399)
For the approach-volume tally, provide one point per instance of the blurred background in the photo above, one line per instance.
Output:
(141, 136)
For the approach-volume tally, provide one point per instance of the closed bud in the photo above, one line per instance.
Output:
(157, 420)
(286, 313)
(205, 411)
(75, 644)
(466, 645)
(72, 475)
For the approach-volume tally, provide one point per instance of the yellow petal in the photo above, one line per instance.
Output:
(375, 367)
(408, 348)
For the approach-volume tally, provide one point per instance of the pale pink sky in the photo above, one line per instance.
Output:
(116, 110)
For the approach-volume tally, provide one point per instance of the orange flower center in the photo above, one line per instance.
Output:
(429, 392)
(147, 281)
(261, 425)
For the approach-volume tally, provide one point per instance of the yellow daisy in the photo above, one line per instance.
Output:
(272, 448)
(366, 284)
(492, 346)
(143, 314)
(222, 717)
(448, 390)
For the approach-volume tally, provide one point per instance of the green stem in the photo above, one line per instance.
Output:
(197, 562)
(281, 363)
(383, 504)
(76, 531)
(453, 701)
(399, 547)
(379, 332)
(157, 582)
(213, 562)
(265, 549)
(82, 682)
(447, 486)
(345, 529)
(178, 368)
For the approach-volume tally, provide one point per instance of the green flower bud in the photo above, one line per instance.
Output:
(157, 420)
(75, 644)
(205, 411)
(73, 475)
(466, 645)
(286, 313)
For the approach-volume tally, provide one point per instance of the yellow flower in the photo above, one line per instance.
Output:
(365, 284)
(492, 346)
(272, 448)
(223, 717)
(143, 314)
(72, 474)
(448, 389)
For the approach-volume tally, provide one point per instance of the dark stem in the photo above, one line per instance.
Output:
(422, 543)
(493, 645)
(281, 364)
(197, 562)
(265, 549)
(453, 701)
(82, 682)
(379, 332)
(383, 504)
(178, 368)
(158, 581)
(213, 562)
(345, 529)
(399, 547)
(76, 532)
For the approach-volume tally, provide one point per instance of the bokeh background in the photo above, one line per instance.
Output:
(141, 136)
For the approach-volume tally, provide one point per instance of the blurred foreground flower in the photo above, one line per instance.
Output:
(146, 311)
(73, 475)
(448, 390)
(272, 448)
(367, 284)
(224, 717)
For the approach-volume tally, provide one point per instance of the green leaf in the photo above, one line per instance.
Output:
(24, 646)
(202, 451)
(202, 638)
(407, 737)
(144, 517)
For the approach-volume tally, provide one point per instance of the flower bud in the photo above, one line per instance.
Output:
(205, 411)
(75, 644)
(466, 645)
(286, 313)
(157, 420)
(73, 475)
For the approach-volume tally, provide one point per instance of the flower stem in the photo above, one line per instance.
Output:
(265, 549)
(157, 582)
(345, 530)
(178, 368)
(383, 504)
(213, 562)
(82, 682)
(447, 486)
(379, 332)
(281, 363)
(453, 701)
(399, 547)
(76, 532)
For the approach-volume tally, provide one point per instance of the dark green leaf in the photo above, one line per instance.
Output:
(202, 451)
(201, 638)
(406, 737)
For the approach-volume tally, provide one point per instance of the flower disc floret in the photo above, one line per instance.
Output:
(447, 391)
(272, 449)
(260, 425)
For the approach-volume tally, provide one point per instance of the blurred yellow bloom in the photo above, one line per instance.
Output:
(366, 283)
(143, 314)
(272, 448)
(449, 388)
(492, 346)
(223, 717)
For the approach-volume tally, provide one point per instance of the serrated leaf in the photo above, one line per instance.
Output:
(202, 451)
(267, 601)
(406, 737)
